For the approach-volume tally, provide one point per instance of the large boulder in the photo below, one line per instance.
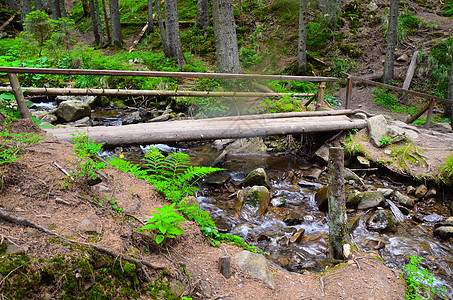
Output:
(377, 129)
(404, 200)
(257, 177)
(256, 196)
(71, 110)
(381, 220)
(370, 200)
(256, 265)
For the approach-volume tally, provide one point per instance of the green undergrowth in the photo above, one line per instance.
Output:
(176, 179)
(82, 274)
(385, 98)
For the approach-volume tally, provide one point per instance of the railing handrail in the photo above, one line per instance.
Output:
(164, 74)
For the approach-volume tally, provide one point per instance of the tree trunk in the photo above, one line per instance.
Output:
(98, 22)
(63, 11)
(12, 5)
(302, 49)
(449, 106)
(117, 37)
(25, 9)
(38, 5)
(86, 8)
(225, 37)
(97, 37)
(106, 19)
(172, 29)
(203, 14)
(56, 12)
(391, 42)
(150, 17)
(163, 34)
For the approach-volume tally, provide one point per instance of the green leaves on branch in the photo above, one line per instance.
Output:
(86, 156)
(166, 222)
(420, 282)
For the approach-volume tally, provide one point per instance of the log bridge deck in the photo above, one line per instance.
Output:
(216, 128)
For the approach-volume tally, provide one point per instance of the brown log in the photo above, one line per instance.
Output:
(158, 93)
(320, 96)
(430, 114)
(410, 71)
(194, 130)
(137, 40)
(7, 22)
(225, 265)
(164, 74)
(348, 92)
(17, 91)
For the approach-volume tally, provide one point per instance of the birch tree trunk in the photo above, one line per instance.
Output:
(56, 12)
(391, 42)
(302, 43)
(150, 17)
(172, 29)
(117, 37)
(96, 34)
(225, 37)
(163, 34)
(203, 14)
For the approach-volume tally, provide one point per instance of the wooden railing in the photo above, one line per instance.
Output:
(17, 89)
(429, 107)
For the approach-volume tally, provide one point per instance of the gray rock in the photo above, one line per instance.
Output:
(45, 117)
(372, 6)
(256, 265)
(377, 129)
(349, 175)
(220, 144)
(353, 199)
(132, 118)
(381, 220)
(73, 110)
(177, 288)
(308, 184)
(421, 191)
(410, 190)
(433, 218)
(447, 222)
(444, 232)
(87, 226)
(257, 177)
(370, 199)
(364, 162)
(252, 145)
(313, 173)
(259, 196)
(321, 198)
(431, 193)
(278, 201)
(220, 159)
(403, 58)
(386, 192)
(84, 122)
(322, 154)
(13, 249)
(217, 179)
(404, 200)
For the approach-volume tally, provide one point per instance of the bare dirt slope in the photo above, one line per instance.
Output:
(35, 190)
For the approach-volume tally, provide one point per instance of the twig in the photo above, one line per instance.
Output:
(360, 179)
(61, 169)
(87, 199)
(357, 263)
(322, 286)
(13, 271)
(134, 217)
(367, 169)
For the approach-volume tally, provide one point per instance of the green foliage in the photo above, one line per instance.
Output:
(385, 98)
(284, 104)
(319, 35)
(446, 171)
(166, 221)
(112, 202)
(419, 281)
(11, 144)
(447, 8)
(86, 151)
(8, 106)
(385, 140)
(344, 66)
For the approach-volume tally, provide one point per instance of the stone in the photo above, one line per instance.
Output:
(372, 6)
(313, 173)
(443, 232)
(45, 117)
(403, 58)
(364, 162)
(377, 129)
(321, 198)
(421, 191)
(370, 200)
(177, 288)
(16, 250)
(220, 144)
(381, 220)
(259, 195)
(353, 199)
(249, 146)
(132, 118)
(191, 200)
(290, 216)
(257, 177)
(431, 193)
(447, 222)
(240, 198)
(307, 184)
(297, 237)
(83, 122)
(71, 110)
(87, 226)
(410, 190)
(225, 265)
(386, 192)
(433, 218)
(375, 243)
(404, 200)
(218, 161)
(349, 175)
(322, 154)
(278, 201)
(256, 265)
(217, 179)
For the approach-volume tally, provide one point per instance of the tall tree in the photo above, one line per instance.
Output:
(391, 42)
(225, 37)
(25, 9)
(38, 5)
(302, 42)
(150, 17)
(94, 23)
(56, 11)
(163, 34)
(203, 14)
(117, 37)
(98, 22)
(12, 5)
(449, 106)
(106, 19)
(63, 11)
(172, 30)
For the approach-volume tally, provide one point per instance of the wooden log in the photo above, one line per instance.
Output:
(137, 40)
(164, 74)
(410, 71)
(430, 114)
(225, 265)
(157, 93)
(320, 96)
(195, 130)
(336, 203)
(17, 91)
(7, 22)
(421, 112)
(348, 92)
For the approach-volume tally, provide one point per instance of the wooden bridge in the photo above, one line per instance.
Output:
(216, 128)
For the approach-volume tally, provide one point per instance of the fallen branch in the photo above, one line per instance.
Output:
(7, 22)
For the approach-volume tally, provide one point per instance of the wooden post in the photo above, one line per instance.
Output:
(348, 92)
(336, 202)
(225, 265)
(320, 97)
(430, 113)
(17, 91)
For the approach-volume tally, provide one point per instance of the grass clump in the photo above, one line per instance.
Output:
(385, 98)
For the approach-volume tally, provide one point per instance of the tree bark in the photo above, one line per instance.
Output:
(150, 17)
(96, 34)
(203, 14)
(117, 37)
(391, 42)
(38, 5)
(17, 91)
(86, 8)
(25, 9)
(63, 11)
(106, 19)
(163, 34)
(98, 22)
(225, 37)
(302, 49)
(172, 29)
(56, 12)
(12, 5)
(449, 106)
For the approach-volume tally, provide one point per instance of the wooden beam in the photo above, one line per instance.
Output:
(348, 92)
(164, 74)
(17, 91)
(430, 113)
(7, 22)
(320, 96)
